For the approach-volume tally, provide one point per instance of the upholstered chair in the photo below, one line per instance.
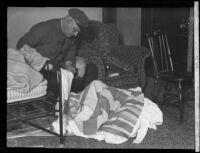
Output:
(118, 65)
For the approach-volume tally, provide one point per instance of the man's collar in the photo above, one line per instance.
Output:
(61, 25)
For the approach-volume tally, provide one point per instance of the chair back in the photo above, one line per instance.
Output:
(160, 51)
(105, 36)
(112, 33)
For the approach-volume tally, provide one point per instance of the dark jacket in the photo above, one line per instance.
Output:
(48, 39)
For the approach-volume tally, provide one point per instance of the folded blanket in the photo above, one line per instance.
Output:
(38, 91)
(32, 57)
(20, 76)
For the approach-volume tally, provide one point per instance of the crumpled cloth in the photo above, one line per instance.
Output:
(20, 76)
(34, 59)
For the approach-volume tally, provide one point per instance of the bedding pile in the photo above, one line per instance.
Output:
(38, 91)
(23, 69)
(106, 113)
(34, 59)
(24, 81)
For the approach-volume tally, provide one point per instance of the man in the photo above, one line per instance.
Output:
(55, 39)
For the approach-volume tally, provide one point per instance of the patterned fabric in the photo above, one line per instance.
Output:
(112, 34)
(131, 59)
(124, 119)
(122, 81)
(100, 43)
(131, 55)
(106, 45)
(100, 107)
(108, 113)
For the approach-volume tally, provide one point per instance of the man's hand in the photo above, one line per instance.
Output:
(68, 66)
(50, 67)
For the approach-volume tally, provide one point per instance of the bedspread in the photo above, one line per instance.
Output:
(108, 113)
(20, 76)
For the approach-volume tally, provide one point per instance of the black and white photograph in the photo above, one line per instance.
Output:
(103, 77)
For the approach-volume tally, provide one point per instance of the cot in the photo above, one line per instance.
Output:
(18, 103)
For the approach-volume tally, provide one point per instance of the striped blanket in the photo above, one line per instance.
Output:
(107, 113)
(101, 107)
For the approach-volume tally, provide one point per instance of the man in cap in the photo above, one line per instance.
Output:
(55, 39)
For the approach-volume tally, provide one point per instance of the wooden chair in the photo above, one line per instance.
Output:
(164, 69)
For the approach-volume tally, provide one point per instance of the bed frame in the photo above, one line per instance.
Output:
(16, 110)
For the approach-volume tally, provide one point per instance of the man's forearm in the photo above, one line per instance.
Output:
(70, 57)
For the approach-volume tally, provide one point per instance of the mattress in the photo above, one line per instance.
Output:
(39, 91)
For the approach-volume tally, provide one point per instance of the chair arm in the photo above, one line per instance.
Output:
(130, 54)
(131, 59)
(87, 52)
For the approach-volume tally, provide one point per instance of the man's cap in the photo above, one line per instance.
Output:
(80, 17)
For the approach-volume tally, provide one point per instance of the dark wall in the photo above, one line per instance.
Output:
(169, 21)
(109, 15)
(128, 22)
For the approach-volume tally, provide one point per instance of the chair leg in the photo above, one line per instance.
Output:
(153, 90)
(181, 102)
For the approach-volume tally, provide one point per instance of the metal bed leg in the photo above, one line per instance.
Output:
(60, 110)
(61, 123)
